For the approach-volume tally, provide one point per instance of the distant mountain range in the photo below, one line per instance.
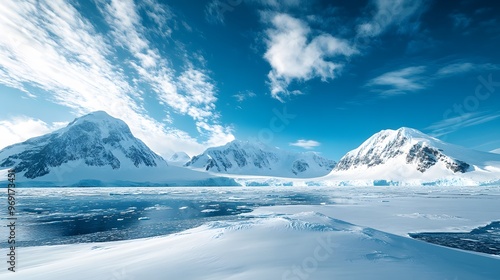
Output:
(245, 158)
(99, 150)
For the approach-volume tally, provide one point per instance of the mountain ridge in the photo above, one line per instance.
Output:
(256, 158)
(98, 150)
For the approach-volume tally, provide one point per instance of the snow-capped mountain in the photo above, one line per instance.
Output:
(407, 155)
(246, 158)
(95, 149)
(179, 159)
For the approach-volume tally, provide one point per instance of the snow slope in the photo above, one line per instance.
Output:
(246, 158)
(292, 242)
(95, 150)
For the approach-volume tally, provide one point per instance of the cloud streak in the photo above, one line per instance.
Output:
(400, 81)
(242, 96)
(464, 67)
(450, 125)
(415, 78)
(391, 13)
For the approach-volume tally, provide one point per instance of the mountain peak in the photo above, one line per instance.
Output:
(404, 146)
(407, 132)
(96, 139)
(98, 117)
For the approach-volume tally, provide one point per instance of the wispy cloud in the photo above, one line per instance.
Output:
(295, 55)
(161, 15)
(216, 10)
(453, 124)
(391, 13)
(242, 96)
(415, 78)
(306, 144)
(460, 20)
(399, 82)
(49, 45)
(464, 67)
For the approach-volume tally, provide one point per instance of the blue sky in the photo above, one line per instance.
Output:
(300, 75)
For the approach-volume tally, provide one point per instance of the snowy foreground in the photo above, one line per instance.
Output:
(357, 233)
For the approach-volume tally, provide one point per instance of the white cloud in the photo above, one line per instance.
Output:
(306, 144)
(296, 55)
(21, 128)
(400, 81)
(389, 13)
(49, 45)
(453, 124)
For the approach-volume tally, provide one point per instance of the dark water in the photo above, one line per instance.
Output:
(483, 239)
(75, 218)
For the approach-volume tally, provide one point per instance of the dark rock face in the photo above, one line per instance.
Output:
(299, 166)
(458, 166)
(81, 141)
(219, 159)
(426, 157)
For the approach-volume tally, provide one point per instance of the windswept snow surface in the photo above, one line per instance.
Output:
(354, 233)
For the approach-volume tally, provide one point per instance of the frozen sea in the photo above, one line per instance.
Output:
(75, 215)
(50, 216)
